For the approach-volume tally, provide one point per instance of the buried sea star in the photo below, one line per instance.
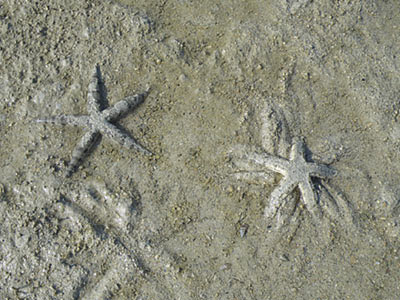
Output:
(297, 172)
(99, 122)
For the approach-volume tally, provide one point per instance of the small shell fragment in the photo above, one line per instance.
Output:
(243, 230)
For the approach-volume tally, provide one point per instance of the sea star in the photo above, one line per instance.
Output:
(99, 122)
(297, 172)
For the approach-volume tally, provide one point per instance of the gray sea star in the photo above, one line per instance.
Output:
(99, 122)
(296, 172)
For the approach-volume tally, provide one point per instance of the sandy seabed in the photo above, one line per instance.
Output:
(226, 80)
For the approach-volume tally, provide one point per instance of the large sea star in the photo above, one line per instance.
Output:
(99, 122)
(297, 172)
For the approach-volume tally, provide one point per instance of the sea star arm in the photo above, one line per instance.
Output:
(94, 92)
(82, 149)
(123, 107)
(122, 138)
(66, 120)
(307, 193)
(297, 149)
(273, 163)
(279, 193)
(254, 176)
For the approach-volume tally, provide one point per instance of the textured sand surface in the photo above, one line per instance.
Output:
(226, 80)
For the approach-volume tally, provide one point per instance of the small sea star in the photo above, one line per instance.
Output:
(99, 122)
(296, 172)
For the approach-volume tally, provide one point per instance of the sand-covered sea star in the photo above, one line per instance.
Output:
(297, 172)
(99, 122)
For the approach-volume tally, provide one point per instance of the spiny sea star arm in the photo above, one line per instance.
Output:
(253, 175)
(321, 171)
(66, 120)
(82, 150)
(94, 92)
(122, 107)
(114, 133)
(273, 163)
(278, 195)
(309, 199)
(297, 149)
